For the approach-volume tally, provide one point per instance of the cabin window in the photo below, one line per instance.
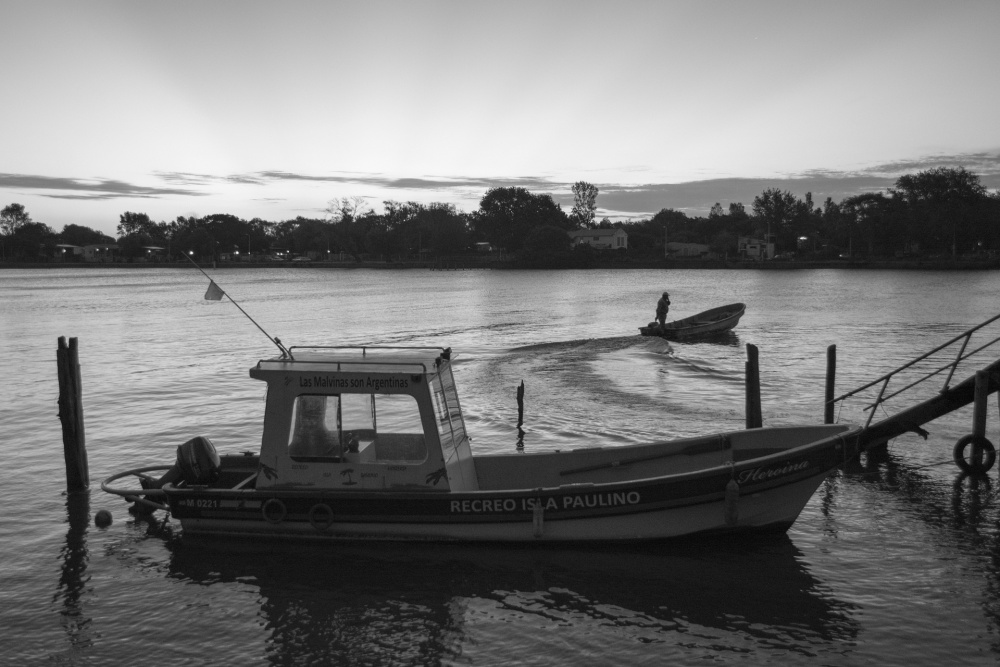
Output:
(449, 413)
(364, 428)
(385, 427)
(315, 427)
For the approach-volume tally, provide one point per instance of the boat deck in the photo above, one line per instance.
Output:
(594, 465)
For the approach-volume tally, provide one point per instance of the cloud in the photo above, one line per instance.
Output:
(87, 189)
(412, 183)
(985, 164)
(693, 197)
(616, 200)
(697, 197)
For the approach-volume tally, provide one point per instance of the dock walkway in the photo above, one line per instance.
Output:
(975, 390)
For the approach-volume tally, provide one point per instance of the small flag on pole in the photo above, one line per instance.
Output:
(214, 292)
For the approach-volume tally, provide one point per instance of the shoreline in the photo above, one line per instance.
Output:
(465, 265)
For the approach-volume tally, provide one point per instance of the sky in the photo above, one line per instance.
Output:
(274, 109)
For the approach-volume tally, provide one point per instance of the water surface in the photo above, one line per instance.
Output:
(894, 562)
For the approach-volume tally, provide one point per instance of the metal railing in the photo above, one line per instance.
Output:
(396, 364)
(962, 355)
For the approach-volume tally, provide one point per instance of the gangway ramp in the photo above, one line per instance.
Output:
(948, 399)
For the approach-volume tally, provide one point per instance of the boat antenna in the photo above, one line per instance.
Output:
(215, 293)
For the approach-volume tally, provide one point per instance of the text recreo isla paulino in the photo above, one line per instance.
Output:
(554, 503)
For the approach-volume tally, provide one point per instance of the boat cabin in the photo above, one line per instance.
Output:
(363, 419)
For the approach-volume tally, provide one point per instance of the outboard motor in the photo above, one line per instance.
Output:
(197, 463)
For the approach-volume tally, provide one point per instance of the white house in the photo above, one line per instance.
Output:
(699, 250)
(100, 252)
(605, 239)
(756, 249)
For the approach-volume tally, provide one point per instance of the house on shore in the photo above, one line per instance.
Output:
(100, 252)
(677, 250)
(603, 239)
(755, 249)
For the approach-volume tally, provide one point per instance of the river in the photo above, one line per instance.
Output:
(893, 562)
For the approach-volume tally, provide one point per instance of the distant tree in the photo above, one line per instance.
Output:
(775, 206)
(737, 210)
(643, 238)
(939, 185)
(672, 227)
(283, 235)
(80, 236)
(584, 204)
(310, 235)
(134, 223)
(548, 239)
(13, 217)
(716, 211)
(548, 246)
(195, 241)
(260, 234)
(443, 230)
(723, 244)
(867, 219)
(391, 233)
(398, 230)
(351, 220)
(30, 240)
(506, 215)
(227, 229)
(669, 216)
(349, 208)
(778, 212)
(134, 245)
(946, 208)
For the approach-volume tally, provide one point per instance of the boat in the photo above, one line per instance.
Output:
(709, 323)
(371, 444)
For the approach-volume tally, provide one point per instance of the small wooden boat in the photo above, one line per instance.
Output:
(709, 323)
(371, 444)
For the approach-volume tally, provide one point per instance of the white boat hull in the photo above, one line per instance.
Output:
(777, 511)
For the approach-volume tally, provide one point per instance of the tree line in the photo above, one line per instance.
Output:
(938, 212)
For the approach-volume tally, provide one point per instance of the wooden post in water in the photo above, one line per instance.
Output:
(520, 417)
(71, 416)
(831, 377)
(754, 418)
(980, 400)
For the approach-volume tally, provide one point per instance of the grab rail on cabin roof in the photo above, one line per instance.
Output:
(964, 337)
(444, 353)
(416, 365)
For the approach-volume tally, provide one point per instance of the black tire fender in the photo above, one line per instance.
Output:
(321, 517)
(971, 467)
(274, 511)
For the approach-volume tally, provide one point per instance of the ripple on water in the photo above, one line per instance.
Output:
(894, 562)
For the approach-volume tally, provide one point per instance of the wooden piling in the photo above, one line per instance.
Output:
(979, 405)
(71, 416)
(753, 412)
(520, 416)
(979, 402)
(831, 377)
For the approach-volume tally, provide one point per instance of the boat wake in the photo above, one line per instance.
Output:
(574, 387)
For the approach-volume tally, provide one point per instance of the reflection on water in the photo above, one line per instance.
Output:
(894, 561)
(954, 514)
(414, 602)
(73, 578)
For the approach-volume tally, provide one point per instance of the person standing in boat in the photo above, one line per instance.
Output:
(662, 307)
